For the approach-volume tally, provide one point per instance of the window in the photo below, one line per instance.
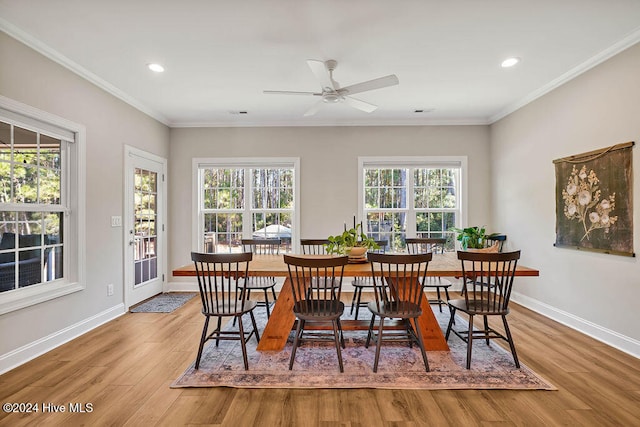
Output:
(416, 197)
(245, 198)
(40, 217)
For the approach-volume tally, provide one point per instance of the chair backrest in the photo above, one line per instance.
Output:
(496, 241)
(218, 276)
(399, 278)
(314, 246)
(489, 278)
(383, 246)
(421, 245)
(262, 246)
(303, 270)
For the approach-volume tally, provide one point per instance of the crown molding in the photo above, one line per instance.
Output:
(57, 57)
(310, 123)
(623, 44)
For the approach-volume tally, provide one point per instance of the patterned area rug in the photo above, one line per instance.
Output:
(400, 367)
(164, 303)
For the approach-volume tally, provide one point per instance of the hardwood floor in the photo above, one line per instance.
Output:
(123, 370)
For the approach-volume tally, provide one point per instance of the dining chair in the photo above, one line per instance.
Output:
(488, 283)
(314, 246)
(361, 283)
(261, 283)
(399, 281)
(493, 243)
(496, 241)
(434, 245)
(218, 276)
(316, 304)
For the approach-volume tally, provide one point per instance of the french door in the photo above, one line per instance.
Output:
(144, 226)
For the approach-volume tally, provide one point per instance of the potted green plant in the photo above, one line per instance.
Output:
(472, 237)
(353, 242)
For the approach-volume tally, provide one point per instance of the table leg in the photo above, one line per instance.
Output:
(275, 334)
(432, 335)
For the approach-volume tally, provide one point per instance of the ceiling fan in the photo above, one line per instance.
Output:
(333, 93)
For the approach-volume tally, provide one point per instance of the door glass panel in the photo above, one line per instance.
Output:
(146, 215)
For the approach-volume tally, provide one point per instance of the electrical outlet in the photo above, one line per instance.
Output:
(110, 289)
(116, 221)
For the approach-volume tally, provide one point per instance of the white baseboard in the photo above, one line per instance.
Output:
(614, 339)
(182, 287)
(34, 349)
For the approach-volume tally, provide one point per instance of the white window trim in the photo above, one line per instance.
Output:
(416, 161)
(75, 273)
(247, 162)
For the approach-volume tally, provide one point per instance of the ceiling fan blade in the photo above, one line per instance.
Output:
(322, 74)
(359, 104)
(289, 92)
(378, 83)
(314, 108)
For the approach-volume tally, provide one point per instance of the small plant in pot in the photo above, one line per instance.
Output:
(353, 242)
(472, 237)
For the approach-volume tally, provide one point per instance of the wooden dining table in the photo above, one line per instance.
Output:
(282, 319)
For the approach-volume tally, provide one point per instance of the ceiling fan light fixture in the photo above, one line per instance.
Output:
(331, 98)
(510, 62)
(155, 67)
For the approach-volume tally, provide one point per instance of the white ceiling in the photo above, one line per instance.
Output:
(220, 55)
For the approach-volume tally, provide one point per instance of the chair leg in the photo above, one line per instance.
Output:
(341, 333)
(266, 303)
(446, 294)
(486, 328)
(255, 326)
(273, 292)
(439, 298)
(510, 338)
(370, 332)
(410, 334)
(469, 341)
(218, 328)
(378, 344)
(420, 343)
(337, 341)
(299, 329)
(353, 300)
(202, 341)
(453, 314)
(358, 303)
(243, 343)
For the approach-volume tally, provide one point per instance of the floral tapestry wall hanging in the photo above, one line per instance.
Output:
(594, 200)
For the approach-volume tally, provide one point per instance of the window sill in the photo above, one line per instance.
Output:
(35, 294)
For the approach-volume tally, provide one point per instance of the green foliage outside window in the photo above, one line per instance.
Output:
(434, 203)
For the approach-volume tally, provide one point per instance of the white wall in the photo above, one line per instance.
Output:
(30, 78)
(595, 292)
(329, 166)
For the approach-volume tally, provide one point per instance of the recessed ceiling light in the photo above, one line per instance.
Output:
(510, 62)
(156, 67)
